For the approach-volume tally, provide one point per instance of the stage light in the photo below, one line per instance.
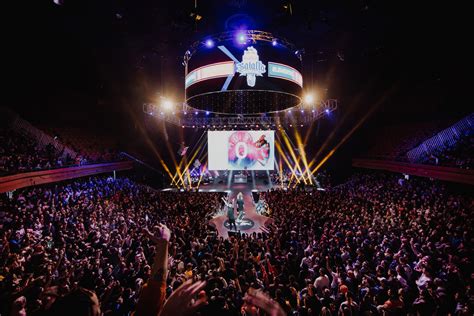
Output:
(167, 104)
(302, 111)
(235, 126)
(196, 113)
(241, 38)
(256, 125)
(185, 113)
(194, 126)
(327, 111)
(309, 98)
(204, 126)
(207, 112)
(296, 52)
(312, 110)
(274, 42)
(182, 126)
(209, 43)
(162, 113)
(246, 125)
(291, 125)
(301, 125)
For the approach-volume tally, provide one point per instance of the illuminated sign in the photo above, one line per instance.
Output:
(277, 70)
(251, 66)
(211, 71)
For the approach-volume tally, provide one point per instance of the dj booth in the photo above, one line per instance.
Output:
(240, 178)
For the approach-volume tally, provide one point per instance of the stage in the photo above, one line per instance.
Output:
(226, 183)
(252, 222)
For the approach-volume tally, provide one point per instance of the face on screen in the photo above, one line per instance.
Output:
(244, 151)
(241, 150)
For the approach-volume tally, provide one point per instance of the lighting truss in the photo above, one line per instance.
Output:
(252, 36)
(292, 116)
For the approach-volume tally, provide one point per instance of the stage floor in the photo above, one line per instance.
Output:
(252, 222)
(223, 185)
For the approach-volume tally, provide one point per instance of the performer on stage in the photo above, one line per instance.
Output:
(230, 213)
(240, 207)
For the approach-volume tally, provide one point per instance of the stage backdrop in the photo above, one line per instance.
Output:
(241, 150)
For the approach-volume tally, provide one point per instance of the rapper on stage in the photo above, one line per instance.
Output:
(230, 204)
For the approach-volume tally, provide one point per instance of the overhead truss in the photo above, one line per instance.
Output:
(187, 118)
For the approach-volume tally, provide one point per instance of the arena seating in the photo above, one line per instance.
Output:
(89, 146)
(444, 143)
(21, 153)
(451, 147)
(25, 148)
(392, 142)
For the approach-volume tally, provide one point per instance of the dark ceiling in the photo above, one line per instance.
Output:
(93, 63)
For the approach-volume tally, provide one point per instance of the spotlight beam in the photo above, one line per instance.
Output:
(349, 134)
(153, 148)
(292, 153)
(173, 157)
(283, 155)
(184, 160)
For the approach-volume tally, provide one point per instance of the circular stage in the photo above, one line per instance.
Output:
(245, 224)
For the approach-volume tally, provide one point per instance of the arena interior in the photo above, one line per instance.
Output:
(235, 157)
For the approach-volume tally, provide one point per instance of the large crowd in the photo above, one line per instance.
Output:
(392, 142)
(20, 153)
(459, 155)
(374, 245)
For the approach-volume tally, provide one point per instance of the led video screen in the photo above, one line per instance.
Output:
(241, 150)
(258, 73)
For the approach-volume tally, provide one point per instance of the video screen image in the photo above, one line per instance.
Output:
(241, 150)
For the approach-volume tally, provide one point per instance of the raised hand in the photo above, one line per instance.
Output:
(181, 301)
(162, 232)
(263, 301)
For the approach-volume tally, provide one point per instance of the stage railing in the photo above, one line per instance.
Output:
(22, 180)
(428, 171)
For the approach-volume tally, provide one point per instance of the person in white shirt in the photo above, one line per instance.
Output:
(321, 282)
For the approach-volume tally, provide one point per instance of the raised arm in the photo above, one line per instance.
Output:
(153, 293)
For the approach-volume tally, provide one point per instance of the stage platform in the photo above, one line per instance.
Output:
(252, 222)
(225, 183)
